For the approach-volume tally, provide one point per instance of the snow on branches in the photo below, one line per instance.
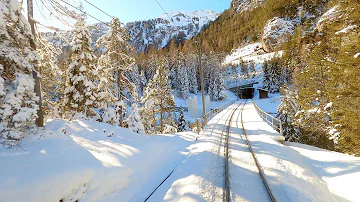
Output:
(18, 105)
(81, 90)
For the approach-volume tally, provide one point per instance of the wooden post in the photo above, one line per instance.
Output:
(37, 87)
(202, 80)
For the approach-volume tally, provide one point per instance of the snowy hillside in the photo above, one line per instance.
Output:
(160, 31)
(243, 5)
(88, 160)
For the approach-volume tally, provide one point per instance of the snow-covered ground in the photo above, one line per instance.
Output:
(86, 164)
(249, 53)
(293, 172)
(270, 104)
(341, 172)
(213, 104)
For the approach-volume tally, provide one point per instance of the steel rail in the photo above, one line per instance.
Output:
(261, 172)
(227, 181)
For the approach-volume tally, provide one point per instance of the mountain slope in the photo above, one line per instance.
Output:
(239, 6)
(158, 32)
(155, 32)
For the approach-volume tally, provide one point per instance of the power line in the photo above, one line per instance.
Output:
(165, 12)
(99, 9)
(84, 12)
(102, 11)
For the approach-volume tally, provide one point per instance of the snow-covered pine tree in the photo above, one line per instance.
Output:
(272, 75)
(52, 77)
(143, 80)
(80, 96)
(181, 122)
(266, 72)
(286, 113)
(252, 68)
(182, 78)
(244, 70)
(217, 90)
(18, 101)
(135, 123)
(192, 64)
(159, 98)
(115, 61)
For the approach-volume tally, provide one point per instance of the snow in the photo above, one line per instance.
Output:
(291, 174)
(341, 172)
(328, 17)
(356, 55)
(183, 18)
(249, 53)
(91, 161)
(86, 164)
(268, 105)
(213, 104)
(346, 29)
(276, 31)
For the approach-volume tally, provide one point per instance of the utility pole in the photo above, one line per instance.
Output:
(202, 81)
(40, 113)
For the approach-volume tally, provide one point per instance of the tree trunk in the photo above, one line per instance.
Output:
(121, 117)
(40, 112)
(154, 120)
(161, 120)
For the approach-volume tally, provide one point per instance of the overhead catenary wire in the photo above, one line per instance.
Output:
(85, 13)
(165, 12)
(99, 9)
(102, 10)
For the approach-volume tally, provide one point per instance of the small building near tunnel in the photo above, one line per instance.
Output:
(245, 91)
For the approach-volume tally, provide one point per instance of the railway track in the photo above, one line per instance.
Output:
(227, 197)
(230, 111)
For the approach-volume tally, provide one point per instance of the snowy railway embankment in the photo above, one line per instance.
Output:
(91, 161)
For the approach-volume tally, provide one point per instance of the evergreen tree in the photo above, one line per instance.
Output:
(114, 63)
(159, 98)
(181, 122)
(18, 101)
(217, 90)
(182, 78)
(81, 90)
(244, 69)
(52, 77)
(192, 64)
(147, 112)
(135, 123)
(286, 113)
(272, 75)
(252, 68)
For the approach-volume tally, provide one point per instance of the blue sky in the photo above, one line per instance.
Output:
(125, 10)
(132, 10)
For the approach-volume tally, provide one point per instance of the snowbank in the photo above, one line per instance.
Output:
(291, 177)
(92, 162)
(346, 29)
(341, 172)
(213, 104)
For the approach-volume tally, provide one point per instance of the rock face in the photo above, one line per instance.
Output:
(158, 32)
(275, 32)
(239, 6)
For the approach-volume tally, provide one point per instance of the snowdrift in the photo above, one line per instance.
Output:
(90, 161)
